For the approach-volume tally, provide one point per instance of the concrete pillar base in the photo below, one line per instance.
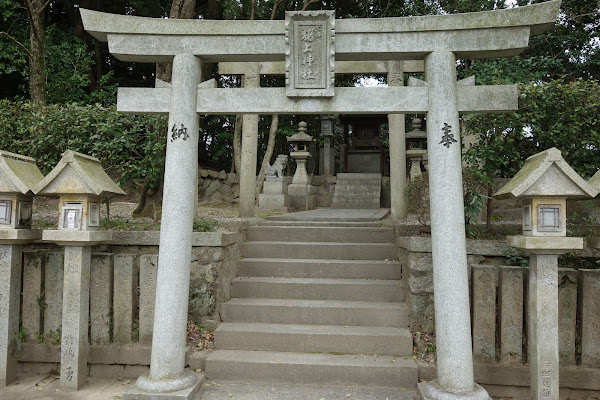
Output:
(186, 387)
(432, 391)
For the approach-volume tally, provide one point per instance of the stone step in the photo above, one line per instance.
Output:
(226, 390)
(359, 191)
(318, 289)
(315, 312)
(311, 268)
(355, 205)
(321, 234)
(269, 221)
(316, 369)
(314, 338)
(340, 251)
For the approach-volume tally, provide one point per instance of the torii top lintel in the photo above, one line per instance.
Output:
(486, 34)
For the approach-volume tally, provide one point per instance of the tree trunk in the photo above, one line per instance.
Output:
(142, 204)
(268, 154)
(37, 81)
(253, 10)
(180, 9)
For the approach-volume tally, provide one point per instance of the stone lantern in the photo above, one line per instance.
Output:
(416, 148)
(80, 182)
(18, 176)
(544, 184)
(301, 192)
(327, 159)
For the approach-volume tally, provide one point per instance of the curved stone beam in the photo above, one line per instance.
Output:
(485, 34)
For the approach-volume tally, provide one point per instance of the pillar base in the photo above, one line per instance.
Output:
(432, 391)
(186, 387)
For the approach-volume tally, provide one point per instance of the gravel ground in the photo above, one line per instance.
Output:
(45, 214)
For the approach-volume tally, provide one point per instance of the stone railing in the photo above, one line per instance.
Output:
(122, 289)
(500, 316)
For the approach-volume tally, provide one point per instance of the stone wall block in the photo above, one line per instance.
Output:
(485, 281)
(420, 262)
(148, 270)
(54, 295)
(511, 314)
(589, 281)
(101, 290)
(33, 302)
(208, 254)
(419, 283)
(567, 314)
(10, 297)
(76, 309)
(125, 285)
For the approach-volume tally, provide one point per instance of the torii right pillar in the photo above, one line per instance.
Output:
(448, 242)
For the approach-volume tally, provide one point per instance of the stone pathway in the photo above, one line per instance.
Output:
(47, 387)
(214, 390)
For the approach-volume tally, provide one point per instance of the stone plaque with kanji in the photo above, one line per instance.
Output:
(310, 53)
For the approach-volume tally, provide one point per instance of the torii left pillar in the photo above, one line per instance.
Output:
(168, 376)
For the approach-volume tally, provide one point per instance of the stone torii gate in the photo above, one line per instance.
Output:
(311, 43)
(395, 77)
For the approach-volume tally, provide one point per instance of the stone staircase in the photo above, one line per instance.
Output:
(319, 304)
(357, 191)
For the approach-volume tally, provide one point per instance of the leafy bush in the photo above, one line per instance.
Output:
(130, 147)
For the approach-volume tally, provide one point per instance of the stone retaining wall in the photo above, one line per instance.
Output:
(122, 288)
(500, 318)
(218, 186)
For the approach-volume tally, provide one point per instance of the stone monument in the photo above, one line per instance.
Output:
(81, 183)
(309, 90)
(545, 183)
(18, 177)
(274, 197)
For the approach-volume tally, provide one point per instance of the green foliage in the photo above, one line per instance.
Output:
(205, 225)
(130, 147)
(517, 261)
(22, 334)
(475, 187)
(553, 114)
(582, 222)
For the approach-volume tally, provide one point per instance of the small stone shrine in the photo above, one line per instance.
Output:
(301, 192)
(18, 177)
(81, 183)
(544, 184)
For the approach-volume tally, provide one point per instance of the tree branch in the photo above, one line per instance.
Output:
(307, 3)
(17, 42)
(276, 4)
(43, 7)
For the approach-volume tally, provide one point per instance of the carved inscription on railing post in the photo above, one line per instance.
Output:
(310, 53)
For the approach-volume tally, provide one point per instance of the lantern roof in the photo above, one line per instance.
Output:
(18, 174)
(547, 174)
(78, 174)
